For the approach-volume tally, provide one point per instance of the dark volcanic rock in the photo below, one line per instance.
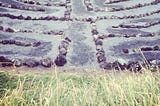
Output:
(98, 42)
(118, 66)
(9, 30)
(101, 58)
(31, 63)
(5, 62)
(60, 60)
(47, 62)
(1, 28)
(156, 48)
(106, 66)
(125, 51)
(134, 66)
(36, 44)
(17, 62)
(147, 49)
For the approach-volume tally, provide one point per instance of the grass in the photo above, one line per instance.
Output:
(79, 89)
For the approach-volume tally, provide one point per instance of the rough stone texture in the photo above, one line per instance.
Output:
(94, 33)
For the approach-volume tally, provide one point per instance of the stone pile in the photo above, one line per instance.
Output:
(63, 48)
(148, 24)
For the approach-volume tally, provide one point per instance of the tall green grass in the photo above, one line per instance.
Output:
(72, 89)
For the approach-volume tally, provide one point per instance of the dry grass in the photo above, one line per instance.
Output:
(75, 89)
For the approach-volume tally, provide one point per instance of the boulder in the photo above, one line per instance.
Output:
(146, 49)
(67, 39)
(99, 42)
(1, 28)
(31, 63)
(5, 62)
(9, 30)
(60, 60)
(134, 66)
(101, 58)
(95, 32)
(4, 42)
(125, 51)
(63, 51)
(118, 66)
(36, 44)
(17, 62)
(47, 62)
(106, 66)
(156, 48)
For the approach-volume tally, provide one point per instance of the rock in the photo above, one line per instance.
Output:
(63, 51)
(99, 47)
(11, 41)
(156, 48)
(64, 44)
(111, 35)
(125, 51)
(5, 62)
(99, 42)
(1, 28)
(4, 42)
(31, 2)
(27, 44)
(106, 66)
(20, 17)
(134, 66)
(18, 43)
(67, 39)
(28, 18)
(47, 62)
(147, 49)
(60, 60)
(155, 62)
(94, 32)
(31, 63)
(101, 58)
(36, 44)
(118, 66)
(9, 30)
(17, 62)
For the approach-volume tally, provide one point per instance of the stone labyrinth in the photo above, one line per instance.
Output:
(104, 34)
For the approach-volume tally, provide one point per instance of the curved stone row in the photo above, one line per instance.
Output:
(48, 18)
(63, 49)
(21, 7)
(97, 9)
(148, 24)
(31, 2)
(46, 62)
(19, 43)
(114, 1)
(128, 17)
(30, 31)
(111, 35)
(143, 49)
(20, 17)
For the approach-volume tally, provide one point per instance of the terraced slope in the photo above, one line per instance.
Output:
(85, 33)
